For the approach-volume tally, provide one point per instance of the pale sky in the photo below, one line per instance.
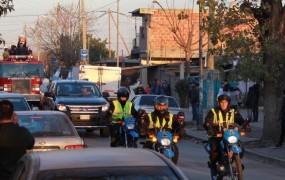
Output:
(27, 11)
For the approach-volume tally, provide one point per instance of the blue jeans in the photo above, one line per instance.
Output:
(195, 111)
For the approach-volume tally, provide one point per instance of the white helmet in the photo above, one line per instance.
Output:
(45, 81)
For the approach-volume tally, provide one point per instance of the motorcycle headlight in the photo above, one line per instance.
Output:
(61, 107)
(105, 107)
(232, 139)
(165, 142)
(130, 126)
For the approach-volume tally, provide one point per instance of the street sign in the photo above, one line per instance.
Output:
(84, 54)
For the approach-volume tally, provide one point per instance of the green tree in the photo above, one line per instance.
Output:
(97, 49)
(253, 33)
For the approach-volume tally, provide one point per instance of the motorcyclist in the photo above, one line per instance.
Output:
(118, 110)
(217, 119)
(161, 118)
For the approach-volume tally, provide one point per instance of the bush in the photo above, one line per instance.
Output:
(182, 89)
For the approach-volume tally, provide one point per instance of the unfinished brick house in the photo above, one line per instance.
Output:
(155, 43)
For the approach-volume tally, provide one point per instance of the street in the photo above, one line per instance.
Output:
(193, 160)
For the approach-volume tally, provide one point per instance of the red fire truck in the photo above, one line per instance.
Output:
(22, 74)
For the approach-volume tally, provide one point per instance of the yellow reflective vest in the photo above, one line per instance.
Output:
(219, 120)
(157, 123)
(120, 112)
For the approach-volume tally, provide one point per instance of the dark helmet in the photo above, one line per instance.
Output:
(224, 97)
(123, 92)
(161, 104)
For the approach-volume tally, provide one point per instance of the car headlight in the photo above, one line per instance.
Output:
(105, 107)
(61, 107)
(165, 142)
(232, 139)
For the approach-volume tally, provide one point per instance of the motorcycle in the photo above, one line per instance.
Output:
(128, 134)
(231, 153)
(163, 141)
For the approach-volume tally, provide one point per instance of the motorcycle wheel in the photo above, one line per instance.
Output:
(237, 167)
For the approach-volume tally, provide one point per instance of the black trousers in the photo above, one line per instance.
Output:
(282, 135)
(255, 113)
(114, 133)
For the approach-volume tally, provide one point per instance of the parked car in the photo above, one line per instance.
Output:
(18, 100)
(86, 111)
(52, 130)
(145, 102)
(96, 163)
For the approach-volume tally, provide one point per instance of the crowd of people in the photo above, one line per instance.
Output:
(154, 88)
(20, 49)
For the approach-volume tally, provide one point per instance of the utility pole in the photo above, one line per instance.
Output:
(211, 62)
(200, 119)
(118, 25)
(56, 27)
(109, 28)
(85, 61)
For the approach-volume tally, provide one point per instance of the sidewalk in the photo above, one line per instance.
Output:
(265, 153)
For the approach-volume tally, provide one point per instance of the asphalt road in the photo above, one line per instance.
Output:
(193, 160)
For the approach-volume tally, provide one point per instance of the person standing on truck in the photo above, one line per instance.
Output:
(22, 48)
(118, 110)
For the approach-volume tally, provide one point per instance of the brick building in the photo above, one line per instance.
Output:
(155, 42)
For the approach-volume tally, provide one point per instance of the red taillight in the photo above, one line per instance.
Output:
(74, 147)
(181, 117)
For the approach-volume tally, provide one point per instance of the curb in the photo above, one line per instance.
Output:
(259, 157)
(264, 159)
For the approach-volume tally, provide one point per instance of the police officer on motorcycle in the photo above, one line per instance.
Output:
(217, 119)
(160, 118)
(118, 110)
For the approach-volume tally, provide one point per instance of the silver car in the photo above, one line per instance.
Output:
(146, 102)
(52, 130)
(97, 163)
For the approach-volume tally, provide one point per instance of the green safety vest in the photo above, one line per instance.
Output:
(119, 112)
(220, 121)
(157, 123)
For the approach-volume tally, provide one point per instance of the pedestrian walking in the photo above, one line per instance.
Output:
(194, 101)
(282, 117)
(256, 90)
(234, 101)
(165, 88)
(147, 88)
(156, 88)
(249, 103)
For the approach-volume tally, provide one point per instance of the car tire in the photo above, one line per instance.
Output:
(104, 132)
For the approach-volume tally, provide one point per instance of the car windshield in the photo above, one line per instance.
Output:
(19, 104)
(149, 101)
(110, 173)
(77, 89)
(46, 125)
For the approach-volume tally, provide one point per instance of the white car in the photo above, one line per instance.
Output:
(52, 130)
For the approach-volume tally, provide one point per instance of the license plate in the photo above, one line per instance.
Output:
(85, 117)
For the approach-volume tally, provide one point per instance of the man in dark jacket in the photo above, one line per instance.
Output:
(14, 140)
(282, 116)
(161, 118)
(214, 123)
